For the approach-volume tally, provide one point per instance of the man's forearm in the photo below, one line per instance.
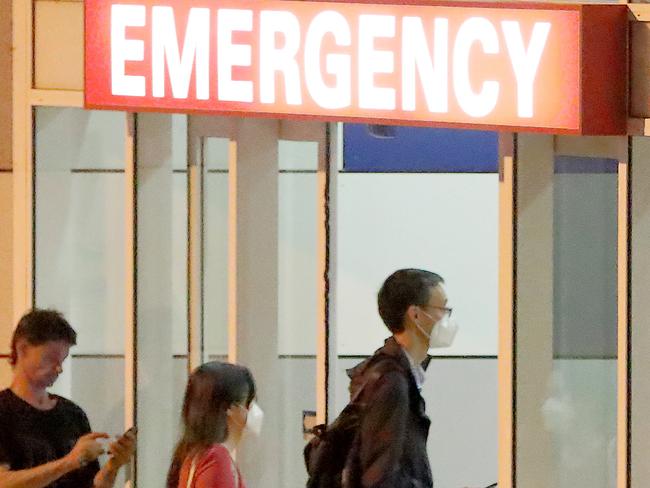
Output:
(37, 477)
(105, 478)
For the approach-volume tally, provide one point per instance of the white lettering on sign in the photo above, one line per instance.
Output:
(475, 29)
(417, 57)
(230, 55)
(338, 65)
(196, 48)
(123, 50)
(525, 62)
(279, 60)
(373, 61)
(270, 57)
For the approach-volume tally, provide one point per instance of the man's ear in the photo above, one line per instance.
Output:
(412, 312)
(21, 348)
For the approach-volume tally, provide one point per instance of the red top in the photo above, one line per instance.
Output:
(214, 469)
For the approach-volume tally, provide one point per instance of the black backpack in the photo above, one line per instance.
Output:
(326, 454)
(330, 456)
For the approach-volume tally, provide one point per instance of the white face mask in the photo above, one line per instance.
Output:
(254, 419)
(443, 332)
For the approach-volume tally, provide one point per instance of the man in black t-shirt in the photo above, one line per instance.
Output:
(45, 439)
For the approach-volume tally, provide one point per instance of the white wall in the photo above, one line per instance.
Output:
(441, 222)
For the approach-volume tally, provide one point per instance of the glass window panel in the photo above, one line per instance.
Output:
(179, 262)
(384, 148)
(297, 299)
(298, 155)
(297, 264)
(96, 139)
(97, 387)
(461, 397)
(215, 153)
(80, 254)
(179, 145)
(180, 382)
(79, 227)
(580, 413)
(585, 241)
(79, 250)
(580, 410)
(298, 393)
(444, 222)
(215, 298)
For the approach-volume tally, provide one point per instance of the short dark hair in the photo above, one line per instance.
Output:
(403, 288)
(39, 326)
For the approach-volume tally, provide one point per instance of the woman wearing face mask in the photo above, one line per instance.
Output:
(218, 407)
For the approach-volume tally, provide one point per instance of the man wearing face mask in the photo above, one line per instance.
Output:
(390, 451)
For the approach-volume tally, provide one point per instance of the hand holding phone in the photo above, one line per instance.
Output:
(130, 432)
(122, 449)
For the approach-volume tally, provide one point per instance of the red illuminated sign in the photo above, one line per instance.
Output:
(552, 68)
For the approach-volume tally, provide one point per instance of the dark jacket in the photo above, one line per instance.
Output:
(391, 451)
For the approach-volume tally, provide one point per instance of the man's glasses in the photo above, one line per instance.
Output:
(446, 310)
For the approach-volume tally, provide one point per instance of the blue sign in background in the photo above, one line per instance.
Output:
(389, 149)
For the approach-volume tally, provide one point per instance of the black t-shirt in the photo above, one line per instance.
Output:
(30, 437)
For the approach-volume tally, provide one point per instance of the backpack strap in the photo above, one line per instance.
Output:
(380, 365)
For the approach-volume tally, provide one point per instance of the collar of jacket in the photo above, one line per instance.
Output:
(390, 348)
(393, 348)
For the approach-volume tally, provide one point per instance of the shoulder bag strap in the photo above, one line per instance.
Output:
(190, 477)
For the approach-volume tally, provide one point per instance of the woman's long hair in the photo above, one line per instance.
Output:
(211, 390)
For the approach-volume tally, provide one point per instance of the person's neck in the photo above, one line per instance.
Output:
(232, 442)
(412, 344)
(34, 395)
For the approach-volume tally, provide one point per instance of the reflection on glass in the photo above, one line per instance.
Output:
(580, 411)
(79, 251)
